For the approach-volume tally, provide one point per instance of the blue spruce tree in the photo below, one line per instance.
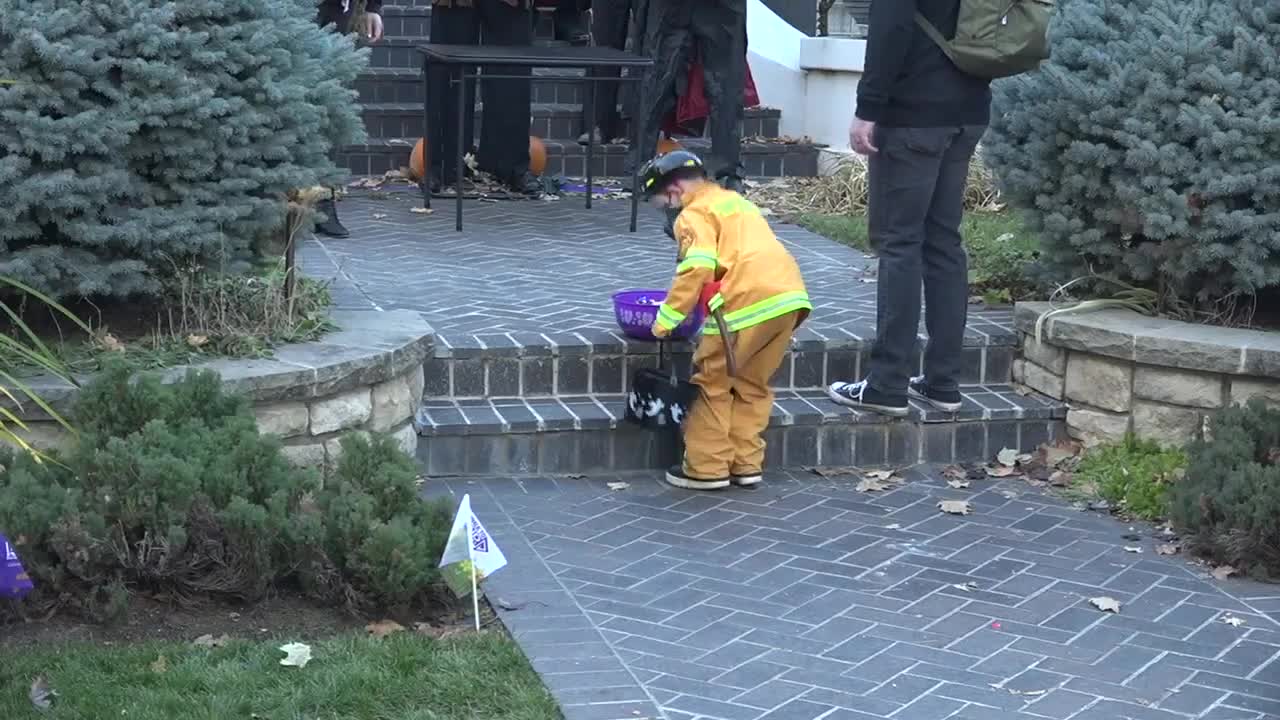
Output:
(145, 134)
(1148, 148)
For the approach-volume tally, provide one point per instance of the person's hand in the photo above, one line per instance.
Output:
(372, 29)
(659, 332)
(861, 136)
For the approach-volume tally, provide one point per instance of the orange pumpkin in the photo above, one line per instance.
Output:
(537, 158)
(415, 162)
(537, 155)
(666, 145)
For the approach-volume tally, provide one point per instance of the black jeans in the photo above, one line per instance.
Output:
(504, 133)
(916, 202)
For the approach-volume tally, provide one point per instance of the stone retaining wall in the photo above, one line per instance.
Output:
(365, 376)
(1123, 372)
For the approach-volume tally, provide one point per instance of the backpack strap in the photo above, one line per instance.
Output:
(935, 36)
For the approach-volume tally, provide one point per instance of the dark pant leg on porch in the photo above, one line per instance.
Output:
(916, 196)
(609, 20)
(668, 41)
(720, 30)
(504, 127)
(450, 25)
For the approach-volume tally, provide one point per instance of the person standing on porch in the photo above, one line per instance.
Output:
(504, 130)
(344, 16)
(918, 120)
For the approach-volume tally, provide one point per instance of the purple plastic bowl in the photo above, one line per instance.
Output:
(637, 310)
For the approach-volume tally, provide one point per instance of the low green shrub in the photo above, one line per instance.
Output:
(1228, 505)
(172, 492)
(1134, 476)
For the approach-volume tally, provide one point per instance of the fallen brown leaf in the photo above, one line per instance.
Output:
(1133, 549)
(197, 341)
(955, 472)
(1060, 479)
(41, 694)
(1001, 471)
(210, 641)
(160, 666)
(955, 507)
(884, 475)
(419, 210)
(1233, 621)
(1105, 604)
(870, 485)
(110, 343)
(833, 471)
(958, 484)
(383, 628)
(1007, 457)
(615, 486)
(1222, 572)
(1168, 549)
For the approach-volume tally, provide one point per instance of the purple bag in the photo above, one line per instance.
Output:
(14, 583)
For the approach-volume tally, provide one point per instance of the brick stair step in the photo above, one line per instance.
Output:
(552, 121)
(567, 157)
(404, 85)
(587, 433)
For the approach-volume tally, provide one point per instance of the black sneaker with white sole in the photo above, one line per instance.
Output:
(944, 400)
(861, 396)
(745, 479)
(677, 477)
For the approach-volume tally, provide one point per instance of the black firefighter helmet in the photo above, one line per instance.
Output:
(660, 171)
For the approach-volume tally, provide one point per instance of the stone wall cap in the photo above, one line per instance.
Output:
(1159, 341)
(368, 347)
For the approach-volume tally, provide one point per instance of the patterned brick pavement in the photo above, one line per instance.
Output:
(550, 267)
(805, 600)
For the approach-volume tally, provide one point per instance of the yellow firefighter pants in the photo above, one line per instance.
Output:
(722, 434)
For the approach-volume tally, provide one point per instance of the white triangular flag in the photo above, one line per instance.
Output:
(471, 555)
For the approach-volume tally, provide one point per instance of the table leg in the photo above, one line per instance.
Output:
(424, 182)
(637, 132)
(589, 110)
(462, 96)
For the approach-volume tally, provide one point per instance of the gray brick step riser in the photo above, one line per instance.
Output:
(569, 158)
(398, 51)
(577, 374)
(626, 448)
(564, 125)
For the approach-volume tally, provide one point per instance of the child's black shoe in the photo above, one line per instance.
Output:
(677, 477)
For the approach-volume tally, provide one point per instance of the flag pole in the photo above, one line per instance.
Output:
(475, 595)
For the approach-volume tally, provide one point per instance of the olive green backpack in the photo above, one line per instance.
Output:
(996, 38)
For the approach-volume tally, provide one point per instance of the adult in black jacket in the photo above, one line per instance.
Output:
(342, 14)
(919, 120)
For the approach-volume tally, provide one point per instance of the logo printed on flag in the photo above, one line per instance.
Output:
(471, 555)
(479, 538)
(9, 554)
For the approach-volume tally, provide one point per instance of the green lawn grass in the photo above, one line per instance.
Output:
(405, 676)
(999, 249)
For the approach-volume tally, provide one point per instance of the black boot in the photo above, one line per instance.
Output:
(330, 225)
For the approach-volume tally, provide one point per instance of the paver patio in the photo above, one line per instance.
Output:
(805, 599)
(550, 267)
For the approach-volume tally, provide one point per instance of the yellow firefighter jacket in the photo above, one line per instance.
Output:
(723, 236)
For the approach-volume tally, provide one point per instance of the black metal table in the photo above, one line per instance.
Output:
(465, 63)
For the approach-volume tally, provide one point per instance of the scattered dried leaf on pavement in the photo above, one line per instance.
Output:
(1133, 548)
(1105, 604)
(870, 485)
(619, 485)
(955, 507)
(889, 476)
(1001, 471)
(1232, 620)
(1007, 457)
(1222, 572)
(296, 655)
(1060, 478)
(1168, 549)
(955, 472)
(833, 471)
(383, 628)
(958, 484)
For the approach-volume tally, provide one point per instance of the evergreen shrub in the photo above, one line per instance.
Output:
(146, 136)
(1229, 502)
(170, 491)
(1145, 149)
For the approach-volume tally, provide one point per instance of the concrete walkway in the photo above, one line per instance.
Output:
(805, 599)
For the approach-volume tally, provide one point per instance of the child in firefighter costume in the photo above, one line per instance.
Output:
(725, 239)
